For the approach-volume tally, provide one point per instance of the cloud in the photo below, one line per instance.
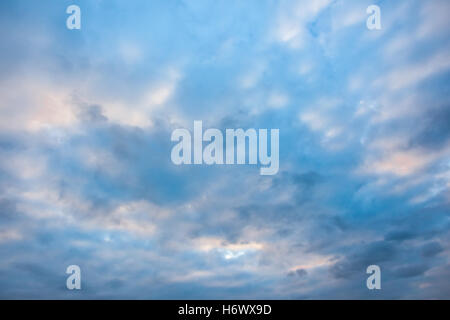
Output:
(292, 19)
(413, 74)
(431, 249)
(410, 271)
(86, 176)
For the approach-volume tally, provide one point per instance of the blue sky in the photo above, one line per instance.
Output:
(86, 178)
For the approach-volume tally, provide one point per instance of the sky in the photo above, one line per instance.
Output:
(86, 178)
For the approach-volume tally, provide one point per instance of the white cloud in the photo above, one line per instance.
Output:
(410, 75)
(292, 19)
(399, 162)
(434, 18)
(33, 103)
(277, 100)
(130, 52)
(10, 235)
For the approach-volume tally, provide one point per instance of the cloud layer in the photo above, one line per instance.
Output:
(86, 178)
